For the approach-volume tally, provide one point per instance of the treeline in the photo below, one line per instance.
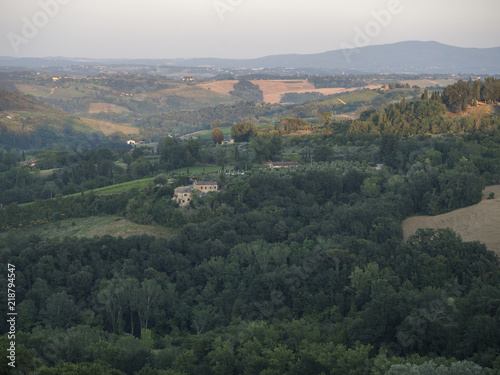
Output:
(187, 121)
(378, 100)
(289, 125)
(73, 172)
(298, 98)
(418, 117)
(459, 96)
(322, 82)
(136, 83)
(248, 91)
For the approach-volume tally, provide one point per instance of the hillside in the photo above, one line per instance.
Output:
(26, 122)
(479, 222)
(15, 101)
(108, 128)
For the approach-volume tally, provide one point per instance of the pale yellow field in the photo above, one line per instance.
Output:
(221, 87)
(108, 128)
(480, 222)
(274, 89)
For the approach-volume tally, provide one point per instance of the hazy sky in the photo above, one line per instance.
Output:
(235, 28)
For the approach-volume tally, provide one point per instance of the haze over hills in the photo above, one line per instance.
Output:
(402, 57)
(411, 57)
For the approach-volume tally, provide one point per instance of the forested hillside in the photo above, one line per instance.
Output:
(297, 270)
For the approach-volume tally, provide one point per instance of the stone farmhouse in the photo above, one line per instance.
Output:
(183, 194)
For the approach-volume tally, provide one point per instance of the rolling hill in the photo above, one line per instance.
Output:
(26, 122)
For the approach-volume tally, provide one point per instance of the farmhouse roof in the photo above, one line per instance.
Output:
(206, 183)
(183, 189)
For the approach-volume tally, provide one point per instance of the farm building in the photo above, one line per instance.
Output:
(183, 194)
(206, 186)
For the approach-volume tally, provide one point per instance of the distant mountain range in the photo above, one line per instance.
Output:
(403, 57)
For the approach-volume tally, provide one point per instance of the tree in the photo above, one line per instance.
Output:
(325, 118)
(217, 136)
(402, 106)
(193, 146)
(432, 368)
(222, 357)
(476, 88)
(173, 153)
(60, 310)
(248, 91)
(242, 131)
(436, 97)
(266, 145)
(113, 296)
(457, 96)
(145, 300)
(140, 168)
(161, 179)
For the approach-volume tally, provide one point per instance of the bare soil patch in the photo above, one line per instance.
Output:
(480, 222)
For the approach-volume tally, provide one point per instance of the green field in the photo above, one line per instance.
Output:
(196, 172)
(54, 93)
(120, 188)
(67, 94)
(207, 134)
(360, 96)
(92, 226)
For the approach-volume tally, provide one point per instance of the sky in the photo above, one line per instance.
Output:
(236, 28)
